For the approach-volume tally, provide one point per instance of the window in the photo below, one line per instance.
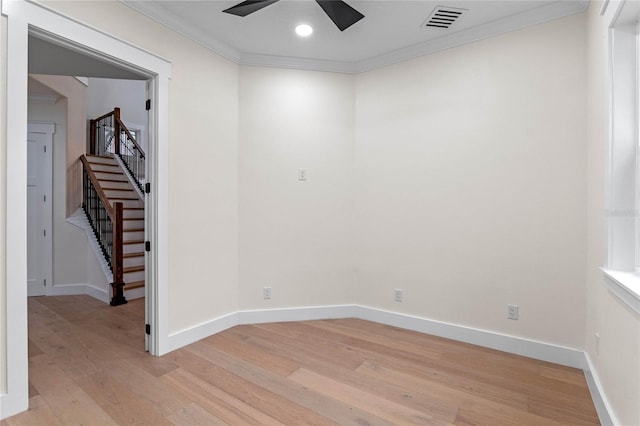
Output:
(623, 192)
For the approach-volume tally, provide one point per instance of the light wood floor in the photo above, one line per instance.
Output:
(88, 366)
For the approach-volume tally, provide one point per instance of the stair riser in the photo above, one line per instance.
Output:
(133, 276)
(133, 224)
(130, 236)
(106, 168)
(133, 214)
(114, 193)
(128, 262)
(133, 248)
(117, 185)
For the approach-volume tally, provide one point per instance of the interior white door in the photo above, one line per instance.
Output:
(39, 212)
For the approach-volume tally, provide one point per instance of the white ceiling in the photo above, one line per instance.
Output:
(391, 31)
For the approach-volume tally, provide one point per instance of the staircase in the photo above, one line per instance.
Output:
(113, 179)
(118, 188)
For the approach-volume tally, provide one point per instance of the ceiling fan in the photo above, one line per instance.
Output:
(340, 12)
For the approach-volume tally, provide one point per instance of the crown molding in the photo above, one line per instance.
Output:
(297, 63)
(539, 15)
(160, 14)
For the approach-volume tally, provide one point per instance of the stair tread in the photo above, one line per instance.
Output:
(107, 188)
(133, 242)
(133, 208)
(134, 284)
(133, 230)
(133, 269)
(135, 254)
(124, 198)
(113, 180)
(109, 172)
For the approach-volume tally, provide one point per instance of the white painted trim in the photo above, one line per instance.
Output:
(516, 22)
(549, 12)
(78, 289)
(603, 407)
(200, 331)
(16, 398)
(24, 18)
(83, 80)
(159, 14)
(297, 314)
(625, 286)
(488, 339)
(511, 344)
(48, 129)
(79, 219)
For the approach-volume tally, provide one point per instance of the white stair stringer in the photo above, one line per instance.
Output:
(79, 219)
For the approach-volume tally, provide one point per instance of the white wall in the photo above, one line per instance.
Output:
(617, 361)
(104, 94)
(470, 184)
(203, 164)
(296, 236)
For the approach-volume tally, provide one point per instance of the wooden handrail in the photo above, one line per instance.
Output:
(131, 138)
(103, 116)
(116, 215)
(96, 184)
(116, 114)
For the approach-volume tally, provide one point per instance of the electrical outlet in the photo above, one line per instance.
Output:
(397, 295)
(266, 292)
(302, 174)
(597, 344)
(512, 312)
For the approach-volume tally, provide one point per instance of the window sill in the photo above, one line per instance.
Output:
(625, 286)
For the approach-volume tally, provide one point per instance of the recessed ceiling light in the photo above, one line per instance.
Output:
(304, 30)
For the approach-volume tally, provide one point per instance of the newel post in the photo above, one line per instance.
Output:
(116, 130)
(92, 137)
(117, 297)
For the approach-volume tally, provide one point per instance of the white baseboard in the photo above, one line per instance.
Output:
(515, 345)
(603, 407)
(13, 403)
(488, 339)
(198, 332)
(74, 289)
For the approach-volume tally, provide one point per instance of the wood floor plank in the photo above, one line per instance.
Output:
(69, 403)
(88, 366)
(194, 415)
(433, 406)
(236, 345)
(337, 411)
(215, 401)
(264, 400)
(381, 407)
(123, 405)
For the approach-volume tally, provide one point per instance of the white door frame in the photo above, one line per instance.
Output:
(48, 129)
(24, 18)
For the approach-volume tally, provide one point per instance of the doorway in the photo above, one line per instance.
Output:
(24, 19)
(39, 210)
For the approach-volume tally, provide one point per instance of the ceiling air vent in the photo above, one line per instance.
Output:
(443, 17)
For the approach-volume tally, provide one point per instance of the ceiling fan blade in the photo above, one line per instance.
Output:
(249, 6)
(340, 13)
